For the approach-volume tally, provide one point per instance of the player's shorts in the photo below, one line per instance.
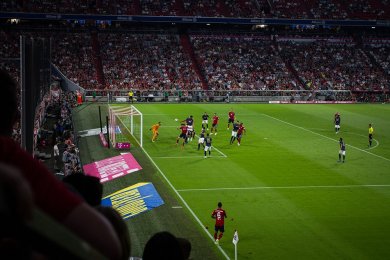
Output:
(239, 136)
(231, 120)
(205, 121)
(370, 136)
(342, 152)
(336, 126)
(207, 148)
(234, 133)
(201, 140)
(219, 228)
(184, 136)
(215, 125)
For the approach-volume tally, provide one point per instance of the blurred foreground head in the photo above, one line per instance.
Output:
(164, 245)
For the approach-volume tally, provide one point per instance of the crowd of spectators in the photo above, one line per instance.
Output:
(146, 62)
(162, 65)
(159, 8)
(333, 65)
(325, 9)
(73, 55)
(234, 62)
(331, 9)
(379, 48)
(63, 134)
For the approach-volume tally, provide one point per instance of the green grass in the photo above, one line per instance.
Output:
(283, 189)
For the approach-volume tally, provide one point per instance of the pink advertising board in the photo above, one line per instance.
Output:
(112, 168)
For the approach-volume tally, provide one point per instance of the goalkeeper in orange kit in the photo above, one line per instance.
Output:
(154, 130)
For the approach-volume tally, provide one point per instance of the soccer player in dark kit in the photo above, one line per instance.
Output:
(205, 121)
(342, 150)
(337, 121)
(236, 126)
(207, 145)
(189, 121)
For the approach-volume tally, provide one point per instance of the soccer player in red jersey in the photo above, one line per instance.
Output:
(183, 134)
(215, 124)
(219, 214)
(241, 130)
(231, 118)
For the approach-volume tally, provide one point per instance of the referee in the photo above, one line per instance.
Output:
(370, 133)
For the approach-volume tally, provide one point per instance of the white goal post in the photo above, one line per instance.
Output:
(124, 121)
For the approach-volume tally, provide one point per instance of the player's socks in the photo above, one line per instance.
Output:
(220, 236)
(339, 157)
(215, 236)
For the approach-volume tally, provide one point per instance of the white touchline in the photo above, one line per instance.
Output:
(178, 194)
(292, 187)
(365, 151)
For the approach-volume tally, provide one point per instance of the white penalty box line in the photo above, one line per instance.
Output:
(324, 136)
(291, 187)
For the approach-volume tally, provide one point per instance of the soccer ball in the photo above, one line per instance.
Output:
(176, 119)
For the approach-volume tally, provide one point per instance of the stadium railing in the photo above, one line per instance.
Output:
(220, 95)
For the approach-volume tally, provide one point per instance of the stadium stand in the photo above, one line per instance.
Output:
(146, 62)
(327, 9)
(76, 63)
(332, 64)
(154, 63)
(242, 62)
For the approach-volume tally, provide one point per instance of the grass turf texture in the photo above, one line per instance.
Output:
(285, 190)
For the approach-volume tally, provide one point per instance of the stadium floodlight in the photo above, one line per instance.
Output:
(125, 121)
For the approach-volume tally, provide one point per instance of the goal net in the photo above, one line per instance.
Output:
(125, 123)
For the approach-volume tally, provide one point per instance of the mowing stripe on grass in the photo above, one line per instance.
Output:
(307, 130)
(178, 194)
(293, 187)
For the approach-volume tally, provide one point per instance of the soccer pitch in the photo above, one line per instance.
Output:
(283, 189)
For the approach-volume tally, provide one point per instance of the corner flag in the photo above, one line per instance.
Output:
(235, 238)
(235, 241)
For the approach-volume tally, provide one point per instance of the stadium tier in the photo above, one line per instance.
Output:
(351, 9)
